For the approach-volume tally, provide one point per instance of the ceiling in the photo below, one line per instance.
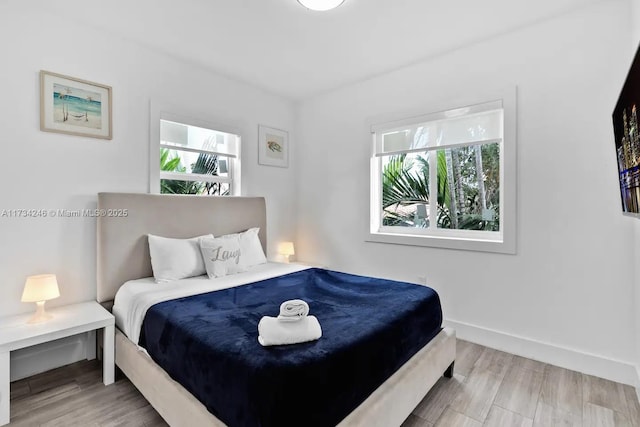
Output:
(288, 50)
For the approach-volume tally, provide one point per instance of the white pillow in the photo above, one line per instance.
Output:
(250, 245)
(222, 256)
(174, 259)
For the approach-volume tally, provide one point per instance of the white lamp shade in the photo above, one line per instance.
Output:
(42, 287)
(286, 248)
(320, 5)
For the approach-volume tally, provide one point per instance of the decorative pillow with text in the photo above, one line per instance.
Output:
(250, 246)
(222, 256)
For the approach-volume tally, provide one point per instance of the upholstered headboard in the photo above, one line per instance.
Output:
(125, 220)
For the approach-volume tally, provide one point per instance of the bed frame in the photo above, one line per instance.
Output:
(123, 254)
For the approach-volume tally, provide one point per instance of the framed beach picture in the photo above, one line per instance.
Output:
(273, 147)
(75, 107)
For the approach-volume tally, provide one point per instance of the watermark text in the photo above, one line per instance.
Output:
(63, 213)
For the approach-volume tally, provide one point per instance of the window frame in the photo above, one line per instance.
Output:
(159, 113)
(503, 241)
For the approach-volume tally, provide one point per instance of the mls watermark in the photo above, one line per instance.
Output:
(63, 213)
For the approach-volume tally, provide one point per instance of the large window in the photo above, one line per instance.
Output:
(439, 180)
(196, 159)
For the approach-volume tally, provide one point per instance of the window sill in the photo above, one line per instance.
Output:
(445, 242)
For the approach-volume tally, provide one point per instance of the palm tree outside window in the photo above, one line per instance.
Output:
(197, 160)
(441, 176)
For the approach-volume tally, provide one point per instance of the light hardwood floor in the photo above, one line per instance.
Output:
(490, 388)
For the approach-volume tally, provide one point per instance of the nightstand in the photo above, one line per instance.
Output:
(16, 333)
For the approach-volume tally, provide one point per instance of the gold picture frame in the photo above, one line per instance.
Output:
(74, 106)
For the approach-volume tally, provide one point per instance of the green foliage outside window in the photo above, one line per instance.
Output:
(468, 189)
(206, 164)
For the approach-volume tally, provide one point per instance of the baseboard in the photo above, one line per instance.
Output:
(43, 357)
(564, 357)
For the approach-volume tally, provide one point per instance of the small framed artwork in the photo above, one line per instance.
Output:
(75, 107)
(273, 147)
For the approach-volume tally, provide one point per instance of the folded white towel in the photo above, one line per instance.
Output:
(293, 310)
(272, 331)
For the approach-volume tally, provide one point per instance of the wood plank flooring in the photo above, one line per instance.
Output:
(490, 388)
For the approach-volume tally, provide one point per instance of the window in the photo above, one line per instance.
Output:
(443, 180)
(195, 158)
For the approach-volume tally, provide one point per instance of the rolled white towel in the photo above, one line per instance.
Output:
(271, 331)
(293, 310)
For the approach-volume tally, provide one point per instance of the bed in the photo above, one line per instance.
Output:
(123, 257)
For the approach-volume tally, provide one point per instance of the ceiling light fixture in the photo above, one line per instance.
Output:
(320, 5)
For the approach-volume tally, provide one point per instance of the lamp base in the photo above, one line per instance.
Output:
(285, 259)
(40, 315)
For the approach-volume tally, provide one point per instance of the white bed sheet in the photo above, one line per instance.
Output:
(135, 297)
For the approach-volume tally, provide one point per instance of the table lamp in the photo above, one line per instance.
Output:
(286, 249)
(40, 289)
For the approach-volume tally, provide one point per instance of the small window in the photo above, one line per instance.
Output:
(439, 180)
(197, 160)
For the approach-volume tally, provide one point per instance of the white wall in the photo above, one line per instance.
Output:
(635, 23)
(45, 170)
(566, 297)
(635, 40)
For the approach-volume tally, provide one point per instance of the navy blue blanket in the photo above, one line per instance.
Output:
(371, 327)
